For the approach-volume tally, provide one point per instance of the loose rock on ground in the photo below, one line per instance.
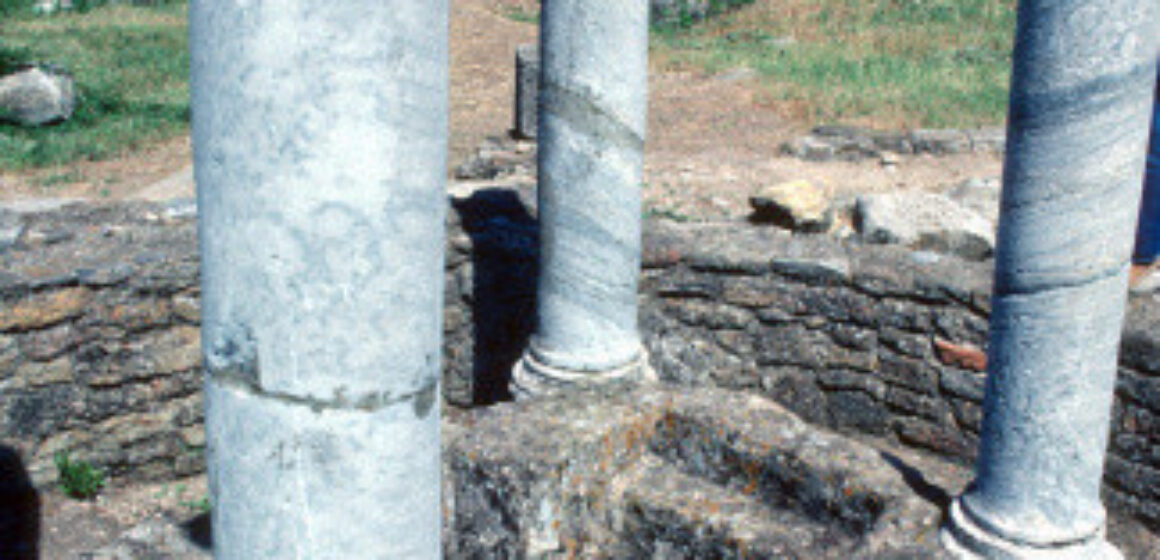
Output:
(37, 95)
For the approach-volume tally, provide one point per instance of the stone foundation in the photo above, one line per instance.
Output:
(669, 473)
(99, 344)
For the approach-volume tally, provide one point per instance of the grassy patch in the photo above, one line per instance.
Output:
(910, 63)
(521, 14)
(201, 505)
(71, 176)
(131, 65)
(686, 13)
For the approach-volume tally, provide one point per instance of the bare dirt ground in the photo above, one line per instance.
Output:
(712, 138)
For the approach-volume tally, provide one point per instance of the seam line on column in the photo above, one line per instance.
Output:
(1038, 110)
(422, 398)
(1043, 287)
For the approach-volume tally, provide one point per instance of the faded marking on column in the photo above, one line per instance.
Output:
(1034, 110)
(588, 117)
(233, 355)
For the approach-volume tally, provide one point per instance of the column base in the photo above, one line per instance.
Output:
(533, 378)
(963, 538)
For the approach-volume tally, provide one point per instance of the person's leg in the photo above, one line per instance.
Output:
(1147, 251)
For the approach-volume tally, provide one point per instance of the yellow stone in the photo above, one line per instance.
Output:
(44, 309)
(187, 306)
(177, 350)
(193, 436)
(38, 374)
(801, 203)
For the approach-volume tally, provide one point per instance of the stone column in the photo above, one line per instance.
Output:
(1077, 132)
(593, 110)
(319, 132)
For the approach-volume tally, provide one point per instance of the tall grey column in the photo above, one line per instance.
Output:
(593, 110)
(319, 141)
(1078, 124)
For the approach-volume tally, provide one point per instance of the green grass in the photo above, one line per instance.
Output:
(682, 16)
(521, 14)
(889, 63)
(131, 66)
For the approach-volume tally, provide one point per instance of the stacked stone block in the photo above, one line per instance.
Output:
(99, 343)
(865, 339)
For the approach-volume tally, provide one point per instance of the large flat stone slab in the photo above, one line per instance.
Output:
(655, 472)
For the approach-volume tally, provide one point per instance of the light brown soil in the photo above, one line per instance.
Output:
(712, 138)
(713, 141)
(113, 179)
(72, 528)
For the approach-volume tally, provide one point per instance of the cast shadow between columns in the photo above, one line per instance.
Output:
(199, 531)
(918, 483)
(19, 509)
(505, 263)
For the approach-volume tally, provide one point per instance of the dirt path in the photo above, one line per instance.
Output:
(712, 139)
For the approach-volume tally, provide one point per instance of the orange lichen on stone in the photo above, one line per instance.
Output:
(965, 356)
(571, 547)
(753, 473)
(139, 316)
(44, 310)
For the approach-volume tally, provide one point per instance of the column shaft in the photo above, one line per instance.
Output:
(593, 110)
(1077, 131)
(319, 134)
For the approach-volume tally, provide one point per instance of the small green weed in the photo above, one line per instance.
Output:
(656, 212)
(78, 479)
(203, 505)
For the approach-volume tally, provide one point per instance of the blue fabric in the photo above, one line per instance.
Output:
(1148, 232)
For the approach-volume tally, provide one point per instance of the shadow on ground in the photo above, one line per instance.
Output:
(199, 531)
(504, 263)
(936, 495)
(19, 509)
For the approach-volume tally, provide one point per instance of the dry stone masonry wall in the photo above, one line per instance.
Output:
(99, 342)
(837, 142)
(99, 345)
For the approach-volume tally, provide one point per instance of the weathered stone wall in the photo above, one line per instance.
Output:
(869, 340)
(99, 343)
